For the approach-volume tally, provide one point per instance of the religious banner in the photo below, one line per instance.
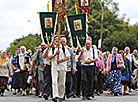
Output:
(48, 22)
(84, 6)
(77, 29)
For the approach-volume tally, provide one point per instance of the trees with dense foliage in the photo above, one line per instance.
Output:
(116, 31)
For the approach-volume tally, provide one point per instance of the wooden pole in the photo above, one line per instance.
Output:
(58, 40)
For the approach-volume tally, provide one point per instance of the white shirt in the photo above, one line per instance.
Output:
(88, 54)
(60, 66)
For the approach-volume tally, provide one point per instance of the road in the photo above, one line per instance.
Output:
(133, 97)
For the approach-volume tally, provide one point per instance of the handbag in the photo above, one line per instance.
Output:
(121, 65)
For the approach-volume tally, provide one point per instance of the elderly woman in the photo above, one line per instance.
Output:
(114, 77)
(5, 70)
(125, 74)
(23, 75)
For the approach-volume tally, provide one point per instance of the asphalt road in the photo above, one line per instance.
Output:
(133, 97)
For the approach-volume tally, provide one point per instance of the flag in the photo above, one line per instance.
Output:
(77, 29)
(48, 21)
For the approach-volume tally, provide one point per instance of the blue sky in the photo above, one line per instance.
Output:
(15, 14)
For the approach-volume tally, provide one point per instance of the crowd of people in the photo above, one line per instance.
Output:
(64, 72)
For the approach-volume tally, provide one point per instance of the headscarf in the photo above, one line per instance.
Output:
(128, 56)
(114, 55)
(21, 57)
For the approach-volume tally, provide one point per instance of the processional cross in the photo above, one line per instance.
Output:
(61, 10)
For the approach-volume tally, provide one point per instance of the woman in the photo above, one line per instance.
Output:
(114, 77)
(5, 70)
(125, 74)
(16, 70)
(23, 74)
(100, 65)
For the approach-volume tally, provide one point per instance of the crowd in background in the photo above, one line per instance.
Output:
(82, 72)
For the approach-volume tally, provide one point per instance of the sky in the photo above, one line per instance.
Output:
(19, 17)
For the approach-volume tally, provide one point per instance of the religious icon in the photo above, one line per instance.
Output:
(77, 25)
(84, 3)
(48, 23)
(58, 1)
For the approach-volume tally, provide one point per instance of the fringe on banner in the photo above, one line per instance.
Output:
(55, 24)
(69, 32)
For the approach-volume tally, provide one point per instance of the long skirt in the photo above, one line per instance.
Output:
(23, 76)
(3, 82)
(15, 81)
(114, 81)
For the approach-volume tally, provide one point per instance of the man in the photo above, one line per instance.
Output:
(71, 68)
(47, 74)
(88, 56)
(58, 70)
(38, 59)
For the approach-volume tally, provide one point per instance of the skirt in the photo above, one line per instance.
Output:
(23, 76)
(114, 81)
(15, 81)
(3, 82)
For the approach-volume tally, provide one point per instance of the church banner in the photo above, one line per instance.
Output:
(77, 29)
(48, 21)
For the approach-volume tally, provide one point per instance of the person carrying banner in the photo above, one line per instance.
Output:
(71, 68)
(88, 56)
(58, 70)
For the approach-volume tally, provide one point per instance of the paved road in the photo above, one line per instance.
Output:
(133, 97)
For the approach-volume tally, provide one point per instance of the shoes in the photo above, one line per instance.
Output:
(14, 93)
(40, 95)
(115, 94)
(93, 95)
(2, 94)
(55, 99)
(88, 98)
(45, 96)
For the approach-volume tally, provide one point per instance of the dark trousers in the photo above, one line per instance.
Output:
(78, 81)
(99, 82)
(87, 77)
(68, 83)
(47, 80)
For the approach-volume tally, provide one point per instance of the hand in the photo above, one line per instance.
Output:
(57, 52)
(59, 61)
(82, 50)
(15, 68)
(21, 69)
(73, 71)
(88, 61)
(106, 72)
(48, 47)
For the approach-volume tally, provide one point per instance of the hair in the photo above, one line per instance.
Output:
(127, 48)
(135, 50)
(64, 39)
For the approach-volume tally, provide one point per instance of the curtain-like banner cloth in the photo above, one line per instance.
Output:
(48, 21)
(77, 28)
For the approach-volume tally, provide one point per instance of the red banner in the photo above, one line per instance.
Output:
(84, 6)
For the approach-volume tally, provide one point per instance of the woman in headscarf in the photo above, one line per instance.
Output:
(125, 74)
(100, 65)
(5, 72)
(114, 77)
(23, 75)
(16, 70)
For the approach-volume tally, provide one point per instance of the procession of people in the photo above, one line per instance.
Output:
(60, 74)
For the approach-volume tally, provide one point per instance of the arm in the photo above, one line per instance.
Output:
(79, 58)
(46, 52)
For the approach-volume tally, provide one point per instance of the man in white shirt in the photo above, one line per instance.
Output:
(58, 70)
(88, 56)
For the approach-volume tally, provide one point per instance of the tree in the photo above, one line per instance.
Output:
(30, 42)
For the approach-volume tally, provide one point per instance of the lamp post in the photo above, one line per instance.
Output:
(102, 18)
